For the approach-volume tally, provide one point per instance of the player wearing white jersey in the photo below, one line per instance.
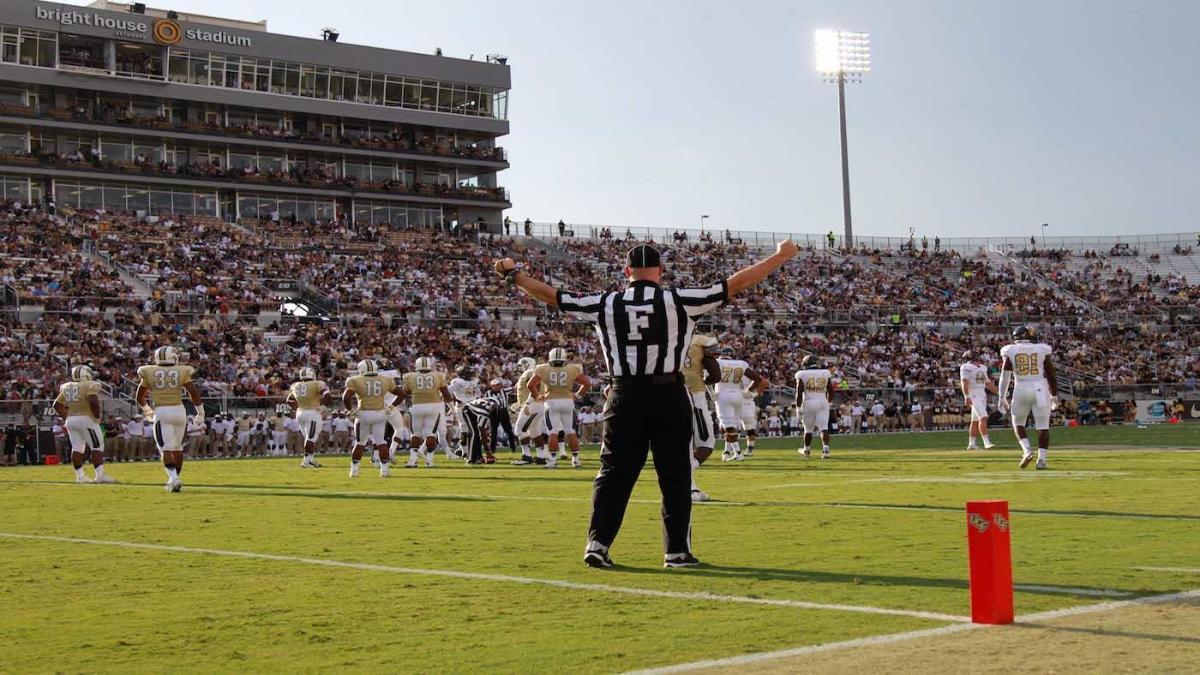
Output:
(976, 383)
(464, 388)
(814, 393)
(731, 397)
(749, 418)
(1035, 390)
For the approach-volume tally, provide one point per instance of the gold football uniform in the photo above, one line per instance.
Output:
(308, 394)
(523, 392)
(693, 362)
(558, 381)
(165, 383)
(424, 387)
(371, 390)
(75, 395)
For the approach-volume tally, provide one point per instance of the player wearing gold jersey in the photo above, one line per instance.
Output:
(425, 390)
(700, 369)
(162, 385)
(308, 396)
(368, 391)
(558, 384)
(530, 427)
(78, 403)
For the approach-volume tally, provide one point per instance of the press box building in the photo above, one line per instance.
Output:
(122, 107)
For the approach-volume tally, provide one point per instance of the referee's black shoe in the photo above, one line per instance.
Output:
(681, 560)
(597, 559)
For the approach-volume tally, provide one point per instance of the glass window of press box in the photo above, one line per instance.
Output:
(286, 78)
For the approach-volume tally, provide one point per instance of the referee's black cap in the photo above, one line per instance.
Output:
(644, 255)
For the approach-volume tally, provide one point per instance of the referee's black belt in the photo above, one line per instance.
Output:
(643, 380)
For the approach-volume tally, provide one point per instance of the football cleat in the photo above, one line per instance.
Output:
(175, 486)
(82, 479)
(681, 560)
(748, 453)
(699, 495)
(597, 559)
(524, 461)
(1040, 466)
(738, 457)
(988, 446)
(804, 451)
(105, 479)
(824, 454)
(1025, 460)
(411, 464)
(575, 462)
(353, 470)
(385, 470)
(541, 461)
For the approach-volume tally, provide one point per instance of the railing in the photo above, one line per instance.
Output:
(247, 181)
(764, 239)
(469, 152)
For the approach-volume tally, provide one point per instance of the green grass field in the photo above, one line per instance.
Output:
(880, 526)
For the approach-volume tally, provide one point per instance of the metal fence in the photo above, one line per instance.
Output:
(766, 239)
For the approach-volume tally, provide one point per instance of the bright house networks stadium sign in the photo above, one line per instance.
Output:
(165, 31)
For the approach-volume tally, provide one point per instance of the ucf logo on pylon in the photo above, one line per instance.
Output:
(1001, 522)
(978, 522)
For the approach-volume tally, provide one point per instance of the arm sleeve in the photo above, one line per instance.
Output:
(582, 307)
(698, 301)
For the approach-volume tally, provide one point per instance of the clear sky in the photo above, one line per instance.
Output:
(978, 118)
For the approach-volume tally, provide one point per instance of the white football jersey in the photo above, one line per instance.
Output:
(732, 372)
(1028, 360)
(814, 383)
(389, 398)
(976, 376)
(464, 391)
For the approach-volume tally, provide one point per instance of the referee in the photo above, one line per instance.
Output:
(644, 332)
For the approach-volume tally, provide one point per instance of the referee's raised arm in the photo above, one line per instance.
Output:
(644, 331)
(737, 283)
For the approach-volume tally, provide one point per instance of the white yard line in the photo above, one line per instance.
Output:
(1181, 570)
(892, 507)
(478, 576)
(745, 659)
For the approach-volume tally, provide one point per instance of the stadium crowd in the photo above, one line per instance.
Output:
(886, 319)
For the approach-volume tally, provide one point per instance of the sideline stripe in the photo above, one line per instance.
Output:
(745, 659)
(605, 588)
(1181, 570)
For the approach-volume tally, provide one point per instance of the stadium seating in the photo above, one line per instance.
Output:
(107, 288)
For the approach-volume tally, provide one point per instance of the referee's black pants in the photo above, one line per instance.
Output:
(503, 421)
(475, 423)
(642, 415)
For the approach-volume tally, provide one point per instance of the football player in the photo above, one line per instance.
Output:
(749, 420)
(401, 435)
(700, 369)
(427, 395)
(731, 397)
(366, 390)
(464, 388)
(162, 385)
(814, 393)
(308, 396)
(559, 383)
(78, 403)
(1035, 390)
(530, 416)
(976, 384)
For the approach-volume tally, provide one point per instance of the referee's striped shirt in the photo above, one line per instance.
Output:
(644, 329)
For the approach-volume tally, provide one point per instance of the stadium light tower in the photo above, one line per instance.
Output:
(843, 56)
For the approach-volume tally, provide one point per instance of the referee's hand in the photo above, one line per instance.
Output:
(504, 265)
